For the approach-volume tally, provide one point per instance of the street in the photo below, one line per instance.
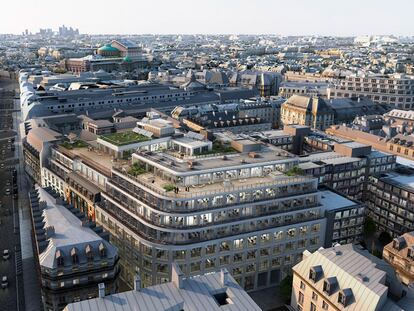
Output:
(11, 291)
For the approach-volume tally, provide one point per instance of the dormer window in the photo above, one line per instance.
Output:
(410, 253)
(89, 252)
(315, 273)
(398, 243)
(102, 250)
(74, 255)
(345, 296)
(329, 285)
(59, 258)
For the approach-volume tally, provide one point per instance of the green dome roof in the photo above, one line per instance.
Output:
(127, 59)
(108, 48)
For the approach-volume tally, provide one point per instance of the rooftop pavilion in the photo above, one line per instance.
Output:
(170, 176)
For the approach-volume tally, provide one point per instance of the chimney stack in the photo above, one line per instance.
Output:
(137, 283)
(101, 288)
(224, 277)
(177, 275)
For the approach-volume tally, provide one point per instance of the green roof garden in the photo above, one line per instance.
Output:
(124, 138)
(73, 145)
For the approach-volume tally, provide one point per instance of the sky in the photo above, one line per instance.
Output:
(281, 17)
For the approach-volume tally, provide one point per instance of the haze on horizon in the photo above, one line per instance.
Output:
(287, 17)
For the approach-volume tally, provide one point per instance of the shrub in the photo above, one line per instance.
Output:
(385, 238)
(295, 171)
(168, 187)
(136, 169)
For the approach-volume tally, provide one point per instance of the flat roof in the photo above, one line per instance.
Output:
(212, 162)
(334, 201)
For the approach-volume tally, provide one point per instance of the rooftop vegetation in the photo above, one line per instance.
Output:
(295, 171)
(75, 144)
(124, 138)
(219, 147)
(136, 169)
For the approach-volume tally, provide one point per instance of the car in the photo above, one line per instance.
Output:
(4, 282)
(7, 191)
(6, 254)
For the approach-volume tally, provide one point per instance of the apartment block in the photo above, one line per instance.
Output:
(345, 277)
(395, 90)
(73, 254)
(215, 291)
(399, 253)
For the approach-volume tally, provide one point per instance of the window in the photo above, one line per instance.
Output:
(315, 272)
(102, 250)
(314, 296)
(313, 307)
(301, 298)
(302, 285)
(344, 296)
(325, 305)
(221, 299)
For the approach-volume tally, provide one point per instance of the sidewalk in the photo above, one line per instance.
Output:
(30, 278)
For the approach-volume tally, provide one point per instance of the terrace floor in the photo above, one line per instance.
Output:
(157, 183)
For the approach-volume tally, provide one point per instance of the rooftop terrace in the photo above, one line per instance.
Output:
(124, 138)
(207, 161)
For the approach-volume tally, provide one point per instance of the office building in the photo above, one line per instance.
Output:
(390, 201)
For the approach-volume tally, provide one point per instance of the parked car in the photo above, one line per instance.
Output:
(4, 282)
(6, 254)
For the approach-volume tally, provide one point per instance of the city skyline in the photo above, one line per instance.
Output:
(232, 17)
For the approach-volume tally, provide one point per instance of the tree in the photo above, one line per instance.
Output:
(384, 238)
(369, 226)
(286, 288)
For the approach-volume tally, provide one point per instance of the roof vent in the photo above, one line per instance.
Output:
(101, 290)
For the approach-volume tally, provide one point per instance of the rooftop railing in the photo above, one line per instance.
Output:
(195, 192)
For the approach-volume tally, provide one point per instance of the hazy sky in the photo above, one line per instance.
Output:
(286, 17)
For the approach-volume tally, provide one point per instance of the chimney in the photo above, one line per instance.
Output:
(224, 277)
(177, 275)
(101, 288)
(137, 283)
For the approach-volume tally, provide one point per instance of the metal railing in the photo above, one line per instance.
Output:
(278, 181)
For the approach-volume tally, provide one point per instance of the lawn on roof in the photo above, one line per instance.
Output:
(124, 138)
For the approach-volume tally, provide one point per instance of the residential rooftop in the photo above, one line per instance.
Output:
(210, 292)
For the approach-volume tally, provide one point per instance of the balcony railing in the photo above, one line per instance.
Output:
(195, 193)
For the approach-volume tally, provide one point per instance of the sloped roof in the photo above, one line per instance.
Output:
(354, 268)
